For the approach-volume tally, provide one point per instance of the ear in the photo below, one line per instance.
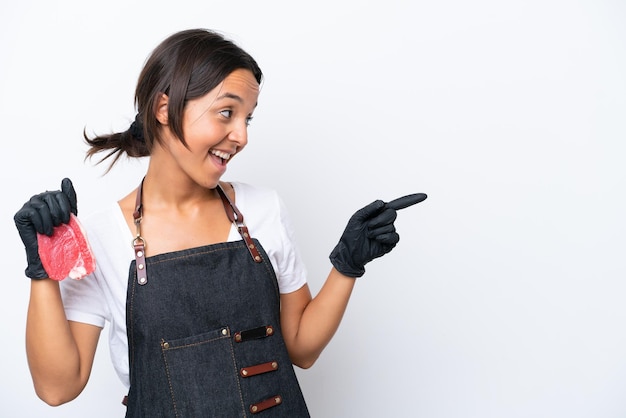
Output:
(162, 109)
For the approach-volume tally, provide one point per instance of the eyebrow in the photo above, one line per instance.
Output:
(230, 96)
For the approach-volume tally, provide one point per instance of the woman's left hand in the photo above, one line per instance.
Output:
(370, 234)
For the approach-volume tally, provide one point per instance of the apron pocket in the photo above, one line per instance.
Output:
(202, 375)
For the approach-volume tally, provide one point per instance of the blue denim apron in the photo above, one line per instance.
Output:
(204, 333)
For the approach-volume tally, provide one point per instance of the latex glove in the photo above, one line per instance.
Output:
(40, 215)
(370, 234)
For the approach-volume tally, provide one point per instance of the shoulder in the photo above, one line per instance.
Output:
(256, 199)
(106, 225)
(249, 191)
(102, 217)
(262, 208)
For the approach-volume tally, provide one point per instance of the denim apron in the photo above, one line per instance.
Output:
(204, 335)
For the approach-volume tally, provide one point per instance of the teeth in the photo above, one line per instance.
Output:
(221, 154)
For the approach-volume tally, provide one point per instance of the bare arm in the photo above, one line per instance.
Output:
(308, 324)
(60, 352)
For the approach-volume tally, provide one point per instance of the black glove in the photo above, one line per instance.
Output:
(40, 215)
(370, 234)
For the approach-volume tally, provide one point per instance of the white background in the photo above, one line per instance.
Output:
(506, 294)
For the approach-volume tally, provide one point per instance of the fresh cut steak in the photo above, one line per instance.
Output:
(67, 252)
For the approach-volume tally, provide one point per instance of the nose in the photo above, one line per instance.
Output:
(239, 135)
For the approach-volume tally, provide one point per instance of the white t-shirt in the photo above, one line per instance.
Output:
(101, 296)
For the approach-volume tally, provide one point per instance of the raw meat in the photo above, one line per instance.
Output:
(67, 252)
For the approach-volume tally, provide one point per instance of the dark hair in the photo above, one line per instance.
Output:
(185, 66)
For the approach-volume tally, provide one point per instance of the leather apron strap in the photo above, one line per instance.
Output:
(237, 219)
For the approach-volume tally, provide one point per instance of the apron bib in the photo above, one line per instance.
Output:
(204, 333)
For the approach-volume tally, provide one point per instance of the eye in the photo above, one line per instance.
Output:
(227, 113)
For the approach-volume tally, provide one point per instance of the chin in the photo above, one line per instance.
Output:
(209, 184)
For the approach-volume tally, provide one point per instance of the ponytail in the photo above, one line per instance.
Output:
(131, 142)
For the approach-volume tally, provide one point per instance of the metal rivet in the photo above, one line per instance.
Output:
(142, 280)
(139, 253)
(244, 372)
(224, 331)
(254, 408)
(251, 246)
(277, 399)
(269, 331)
(245, 234)
(238, 337)
(166, 345)
(274, 365)
(140, 266)
(257, 258)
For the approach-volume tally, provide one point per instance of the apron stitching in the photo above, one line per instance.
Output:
(131, 340)
(169, 381)
(193, 344)
(232, 355)
(271, 274)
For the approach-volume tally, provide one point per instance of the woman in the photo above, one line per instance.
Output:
(214, 308)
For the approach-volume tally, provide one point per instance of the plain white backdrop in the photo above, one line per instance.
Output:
(506, 295)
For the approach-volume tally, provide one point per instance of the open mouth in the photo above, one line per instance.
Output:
(223, 156)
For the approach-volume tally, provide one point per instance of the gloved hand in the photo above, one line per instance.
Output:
(40, 215)
(370, 234)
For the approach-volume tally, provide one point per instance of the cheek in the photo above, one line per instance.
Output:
(201, 131)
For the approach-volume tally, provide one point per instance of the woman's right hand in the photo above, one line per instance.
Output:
(40, 215)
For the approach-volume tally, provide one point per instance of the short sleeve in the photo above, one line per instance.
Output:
(84, 300)
(291, 269)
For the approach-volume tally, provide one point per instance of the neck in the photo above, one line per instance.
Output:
(163, 189)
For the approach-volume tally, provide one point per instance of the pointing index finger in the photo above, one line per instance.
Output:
(406, 201)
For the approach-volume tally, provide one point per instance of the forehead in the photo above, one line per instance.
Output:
(239, 87)
(242, 81)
